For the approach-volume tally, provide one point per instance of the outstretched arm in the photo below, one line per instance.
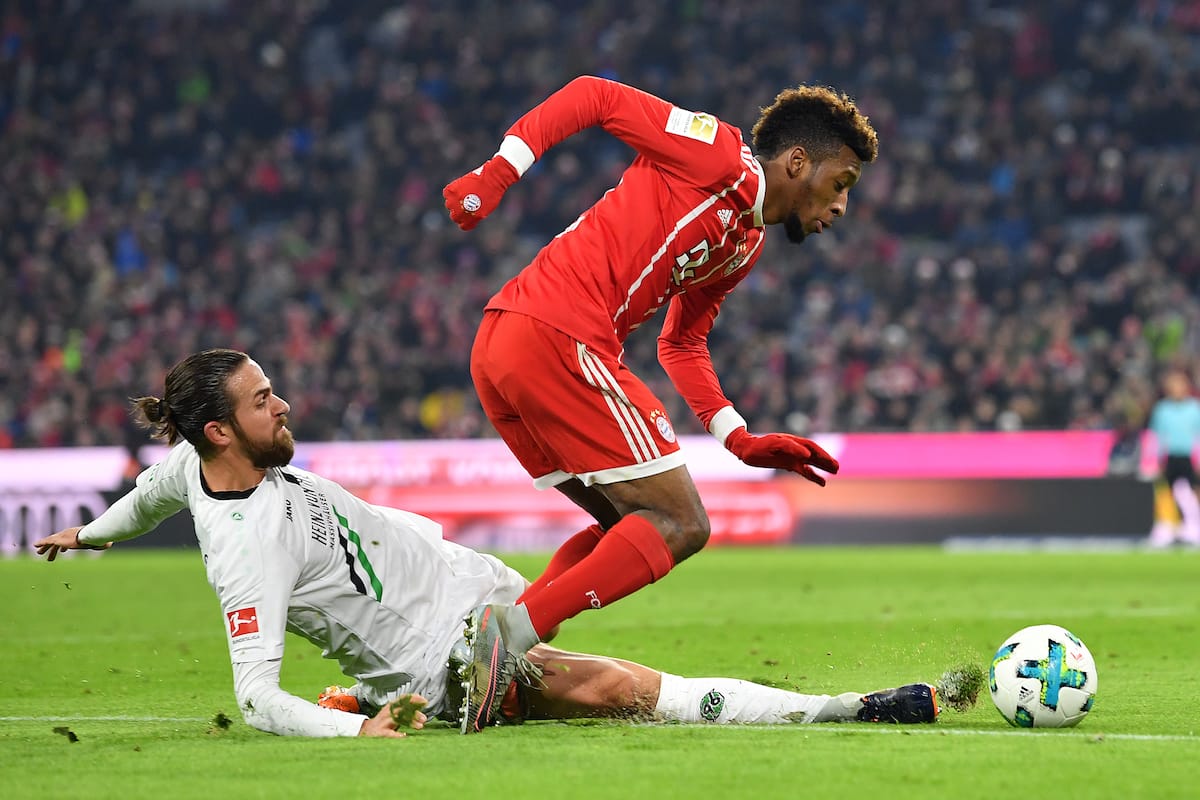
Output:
(66, 539)
(685, 143)
(160, 492)
(153, 500)
(682, 142)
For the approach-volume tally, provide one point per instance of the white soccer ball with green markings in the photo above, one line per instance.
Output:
(1043, 677)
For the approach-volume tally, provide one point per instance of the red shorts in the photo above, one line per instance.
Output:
(564, 410)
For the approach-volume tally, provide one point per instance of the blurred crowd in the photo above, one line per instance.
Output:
(181, 174)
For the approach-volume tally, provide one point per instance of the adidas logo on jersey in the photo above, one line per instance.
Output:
(725, 214)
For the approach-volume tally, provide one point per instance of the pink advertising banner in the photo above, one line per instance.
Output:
(482, 497)
(1031, 454)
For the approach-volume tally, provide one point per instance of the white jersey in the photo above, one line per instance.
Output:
(376, 588)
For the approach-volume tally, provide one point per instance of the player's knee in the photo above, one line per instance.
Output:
(684, 527)
(694, 535)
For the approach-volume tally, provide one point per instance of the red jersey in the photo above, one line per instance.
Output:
(683, 226)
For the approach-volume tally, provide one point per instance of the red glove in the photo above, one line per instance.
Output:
(781, 451)
(476, 194)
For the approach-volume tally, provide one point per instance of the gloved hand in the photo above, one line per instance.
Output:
(475, 195)
(781, 451)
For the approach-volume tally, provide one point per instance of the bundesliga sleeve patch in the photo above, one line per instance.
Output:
(693, 125)
(242, 622)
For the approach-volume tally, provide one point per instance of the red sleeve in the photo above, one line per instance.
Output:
(681, 142)
(683, 347)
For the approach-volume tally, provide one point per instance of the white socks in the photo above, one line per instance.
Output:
(1189, 509)
(516, 629)
(728, 700)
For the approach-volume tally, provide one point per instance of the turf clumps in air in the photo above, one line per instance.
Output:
(959, 686)
(63, 730)
(220, 723)
(403, 710)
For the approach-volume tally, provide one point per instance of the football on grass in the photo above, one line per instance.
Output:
(1043, 677)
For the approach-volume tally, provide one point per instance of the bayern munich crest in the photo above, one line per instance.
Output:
(471, 203)
(663, 424)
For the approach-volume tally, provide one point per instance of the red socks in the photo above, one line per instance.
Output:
(631, 555)
(569, 553)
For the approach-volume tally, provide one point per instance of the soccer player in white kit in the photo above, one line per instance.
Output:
(376, 588)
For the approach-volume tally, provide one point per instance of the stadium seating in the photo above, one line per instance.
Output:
(177, 175)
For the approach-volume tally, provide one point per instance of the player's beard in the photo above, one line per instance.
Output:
(794, 228)
(277, 454)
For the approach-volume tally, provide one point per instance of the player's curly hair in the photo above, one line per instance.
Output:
(818, 118)
(195, 393)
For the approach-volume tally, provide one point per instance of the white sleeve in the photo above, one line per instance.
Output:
(254, 574)
(269, 708)
(161, 492)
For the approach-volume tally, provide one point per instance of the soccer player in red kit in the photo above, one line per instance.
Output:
(682, 228)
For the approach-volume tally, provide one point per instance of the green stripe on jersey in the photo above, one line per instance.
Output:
(352, 535)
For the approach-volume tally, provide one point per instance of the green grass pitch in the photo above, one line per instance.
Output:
(126, 653)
